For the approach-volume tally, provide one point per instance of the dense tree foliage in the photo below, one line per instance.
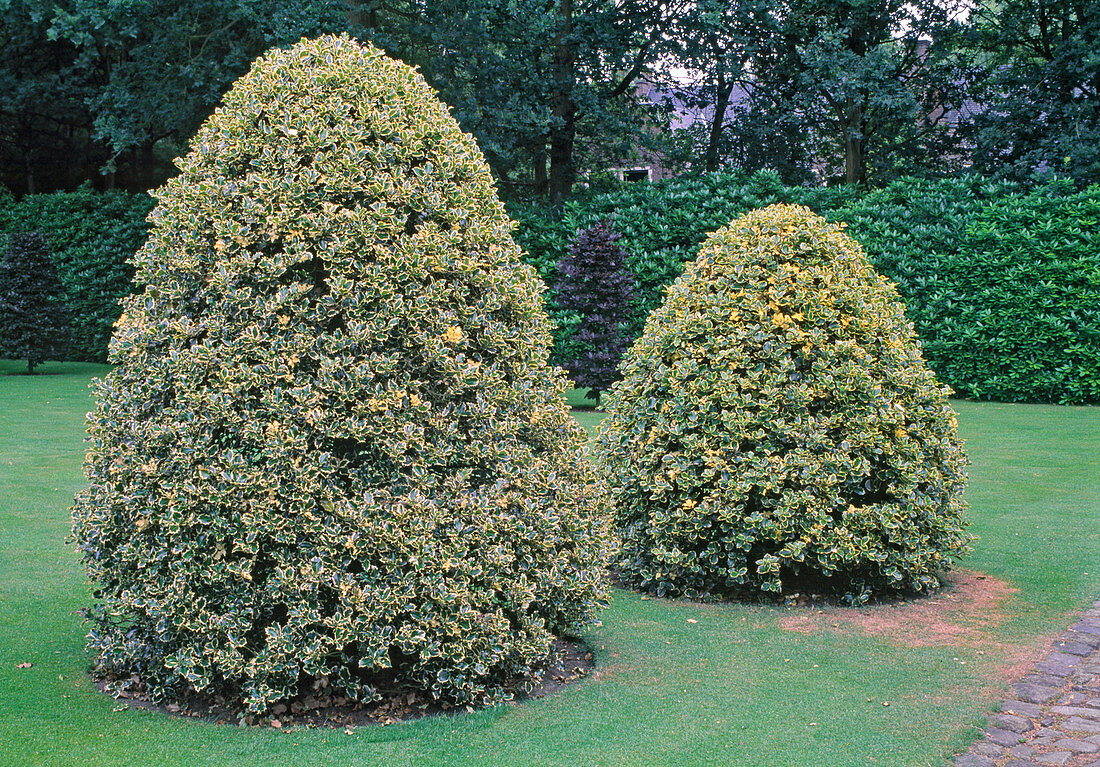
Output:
(45, 124)
(124, 84)
(859, 91)
(848, 89)
(166, 62)
(869, 92)
(546, 87)
(542, 86)
(1039, 84)
(719, 48)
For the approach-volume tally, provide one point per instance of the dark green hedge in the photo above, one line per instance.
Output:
(662, 225)
(1002, 283)
(93, 237)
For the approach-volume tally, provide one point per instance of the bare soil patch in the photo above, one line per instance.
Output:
(570, 661)
(956, 615)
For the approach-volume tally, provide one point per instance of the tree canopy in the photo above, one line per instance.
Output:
(1038, 75)
(856, 91)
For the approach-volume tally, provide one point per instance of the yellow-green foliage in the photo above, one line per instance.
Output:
(332, 451)
(776, 425)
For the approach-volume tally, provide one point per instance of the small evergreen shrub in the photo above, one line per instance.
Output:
(92, 237)
(596, 288)
(34, 321)
(332, 453)
(776, 426)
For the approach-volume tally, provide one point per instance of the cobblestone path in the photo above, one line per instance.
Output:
(1053, 714)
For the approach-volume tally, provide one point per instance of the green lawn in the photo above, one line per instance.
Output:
(678, 683)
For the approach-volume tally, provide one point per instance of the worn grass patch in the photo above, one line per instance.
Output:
(677, 683)
(960, 614)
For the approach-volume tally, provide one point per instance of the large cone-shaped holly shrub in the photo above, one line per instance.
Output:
(332, 454)
(776, 427)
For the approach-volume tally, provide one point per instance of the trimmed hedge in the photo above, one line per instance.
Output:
(1025, 333)
(1002, 285)
(662, 225)
(93, 237)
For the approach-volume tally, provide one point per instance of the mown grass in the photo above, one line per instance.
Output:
(732, 687)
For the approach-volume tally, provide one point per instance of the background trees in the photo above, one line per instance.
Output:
(546, 86)
(853, 87)
(856, 91)
(45, 124)
(719, 45)
(124, 83)
(872, 83)
(1038, 72)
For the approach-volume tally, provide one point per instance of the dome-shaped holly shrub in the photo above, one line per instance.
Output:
(776, 426)
(332, 451)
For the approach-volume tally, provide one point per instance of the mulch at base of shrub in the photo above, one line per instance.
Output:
(573, 660)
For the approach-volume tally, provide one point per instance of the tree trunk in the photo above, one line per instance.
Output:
(722, 100)
(358, 15)
(562, 171)
(539, 163)
(30, 173)
(564, 129)
(853, 161)
(855, 164)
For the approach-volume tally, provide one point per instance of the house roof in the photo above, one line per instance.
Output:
(687, 104)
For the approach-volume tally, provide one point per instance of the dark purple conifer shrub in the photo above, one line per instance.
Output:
(596, 286)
